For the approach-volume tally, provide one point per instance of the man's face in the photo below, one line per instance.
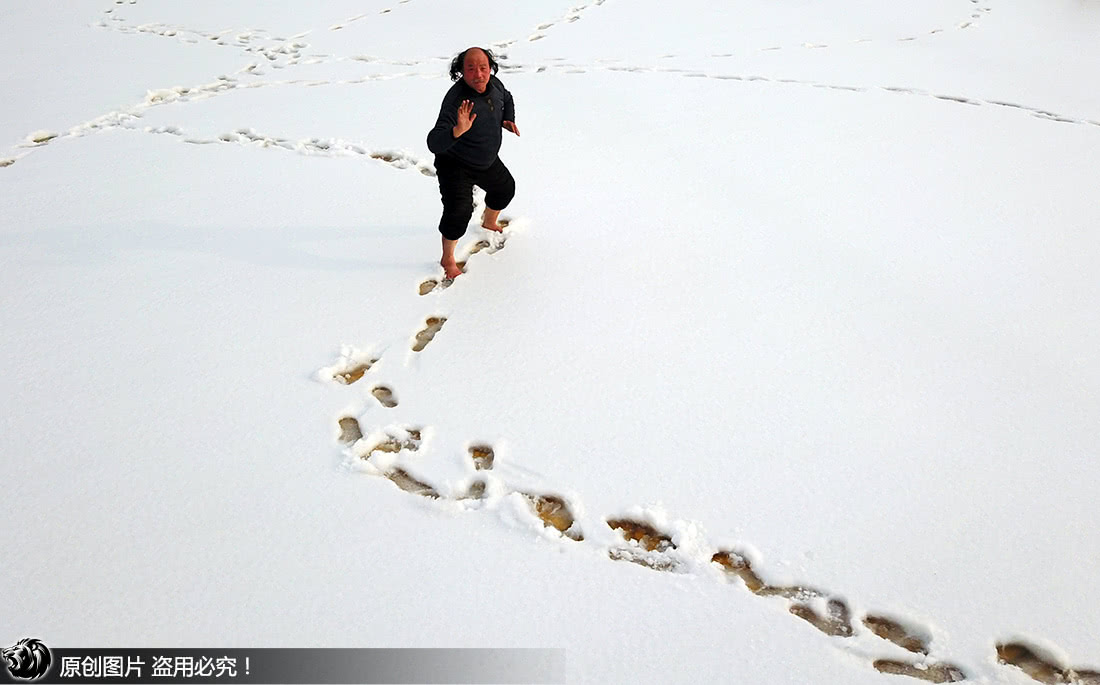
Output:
(475, 70)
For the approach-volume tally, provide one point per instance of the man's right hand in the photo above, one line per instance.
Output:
(465, 118)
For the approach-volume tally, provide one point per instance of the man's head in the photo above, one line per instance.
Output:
(474, 66)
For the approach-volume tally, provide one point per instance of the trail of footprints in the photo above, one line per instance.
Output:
(281, 52)
(277, 51)
(331, 147)
(358, 17)
(614, 66)
(274, 51)
(131, 120)
(574, 14)
(552, 510)
(978, 9)
(644, 544)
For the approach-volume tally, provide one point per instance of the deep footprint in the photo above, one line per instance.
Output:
(476, 491)
(836, 623)
(349, 429)
(497, 244)
(483, 457)
(554, 513)
(648, 546)
(480, 245)
(384, 396)
(1044, 670)
(41, 137)
(432, 326)
(401, 478)
(351, 375)
(647, 537)
(1024, 658)
(393, 444)
(735, 564)
(933, 673)
(738, 565)
(891, 630)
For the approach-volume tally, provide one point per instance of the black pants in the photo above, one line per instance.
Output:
(456, 190)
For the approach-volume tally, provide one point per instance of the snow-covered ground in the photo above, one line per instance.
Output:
(806, 287)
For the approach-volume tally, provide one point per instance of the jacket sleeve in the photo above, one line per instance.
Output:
(441, 137)
(509, 107)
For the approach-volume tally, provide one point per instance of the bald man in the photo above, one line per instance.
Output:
(466, 141)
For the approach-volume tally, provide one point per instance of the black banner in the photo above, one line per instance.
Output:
(307, 666)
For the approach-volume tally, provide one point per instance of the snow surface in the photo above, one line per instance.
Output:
(814, 283)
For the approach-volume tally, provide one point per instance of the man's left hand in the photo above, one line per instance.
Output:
(511, 126)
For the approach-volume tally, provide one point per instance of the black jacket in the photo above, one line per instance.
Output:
(479, 146)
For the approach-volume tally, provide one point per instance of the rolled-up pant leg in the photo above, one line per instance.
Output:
(456, 191)
(499, 185)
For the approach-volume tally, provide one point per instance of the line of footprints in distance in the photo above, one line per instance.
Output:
(279, 49)
(644, 544)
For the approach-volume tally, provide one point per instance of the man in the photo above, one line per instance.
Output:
(466, 140)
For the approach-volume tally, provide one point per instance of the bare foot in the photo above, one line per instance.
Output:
(489, 220)
(451, 269)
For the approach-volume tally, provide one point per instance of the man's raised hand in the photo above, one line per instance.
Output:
(465, 118)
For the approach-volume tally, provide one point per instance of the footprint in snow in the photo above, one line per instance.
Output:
(349, 376)
(556, 514)
(482, 456)
(933, 673)
(738, 565)
(384, 396)
(1041, 667)
(403, 440)
(906, 637)
(835, 622)
(350, 431)
(431, 327)
(401, 478)
(407, 439)
(496, 245)
(645, 546)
